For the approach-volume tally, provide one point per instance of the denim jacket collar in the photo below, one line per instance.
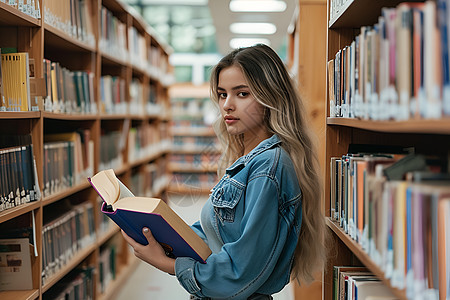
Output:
(264, 145)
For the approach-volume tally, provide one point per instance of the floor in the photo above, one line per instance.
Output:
(149, 283)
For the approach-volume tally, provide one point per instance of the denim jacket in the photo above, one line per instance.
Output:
(255, 212)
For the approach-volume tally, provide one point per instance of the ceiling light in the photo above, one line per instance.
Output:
(253, 28)
(257, 6)
(244, 42)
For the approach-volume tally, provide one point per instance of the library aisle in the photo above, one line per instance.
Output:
(146, 282)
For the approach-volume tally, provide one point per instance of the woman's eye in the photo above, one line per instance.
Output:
(222, 95)
(243, 94)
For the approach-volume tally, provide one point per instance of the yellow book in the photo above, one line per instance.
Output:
(16, 82)
(54, 91)
(24, 72)
(399, 235)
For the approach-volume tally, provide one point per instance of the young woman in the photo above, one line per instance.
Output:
(263, 219)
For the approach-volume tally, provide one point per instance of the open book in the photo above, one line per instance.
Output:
(132, 214)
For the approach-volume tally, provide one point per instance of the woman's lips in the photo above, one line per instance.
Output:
(230, 119)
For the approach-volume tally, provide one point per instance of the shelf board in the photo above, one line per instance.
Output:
(113, 116)
(441, 126)
(122, 169)
(362, 255)
(74, 261)
(65, 193)
(190, 149)
(11, 16)
(110, 60)
(61, 40)
(192, 168)
(146, 159)
(20, 295)
(357, 13)
(193, 131)
(20, 114)
(17, 211)
(139, 70)
(136, 117)
(188, 189)
(71, 117)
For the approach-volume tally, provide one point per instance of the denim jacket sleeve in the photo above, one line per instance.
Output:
(242, 266)
(198, 230)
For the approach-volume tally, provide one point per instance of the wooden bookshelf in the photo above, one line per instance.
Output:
(189, 132)
(426, 136)
(76, 52)
(306, 49)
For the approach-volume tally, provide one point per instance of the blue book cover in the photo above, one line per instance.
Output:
(132, 214)
(132, 223)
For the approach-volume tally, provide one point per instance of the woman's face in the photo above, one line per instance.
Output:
(241, 112)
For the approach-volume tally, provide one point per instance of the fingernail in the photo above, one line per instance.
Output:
(145, 230)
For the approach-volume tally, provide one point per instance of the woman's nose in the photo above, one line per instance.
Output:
(228, 105)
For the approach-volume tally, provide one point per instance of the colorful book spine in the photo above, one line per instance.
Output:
(396, 69)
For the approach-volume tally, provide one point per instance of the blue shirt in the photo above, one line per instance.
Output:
(251, 222)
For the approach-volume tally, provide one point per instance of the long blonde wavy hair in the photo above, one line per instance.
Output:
(272, 86)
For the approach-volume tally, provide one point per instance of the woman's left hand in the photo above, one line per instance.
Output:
(153, 253)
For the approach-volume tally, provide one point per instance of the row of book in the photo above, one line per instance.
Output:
(137, 104)
(181, 122)
(396, 69)
(73, 17)
(397, 209)
(130, 45)
(29, 7)
(107, 266)
(112, 95)
(142, 100)
(151, 179)
(18, 176)
(356, 283)
(192, 109)
(68, 91)
(68, 229)
(113, 35)
(78, 284)
(112, 145)
(198, 159)
(205, 142)
(137, 48)
(68, 160)
(147, 139)
(61, 90)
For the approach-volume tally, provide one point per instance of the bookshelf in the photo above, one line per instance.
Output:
(195, 154)
(307, 28)
(427, 136)
(127, 120)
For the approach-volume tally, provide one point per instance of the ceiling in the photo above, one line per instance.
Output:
(223, 17)
(192, 25)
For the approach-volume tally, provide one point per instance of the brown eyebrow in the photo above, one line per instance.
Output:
(234, 88)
